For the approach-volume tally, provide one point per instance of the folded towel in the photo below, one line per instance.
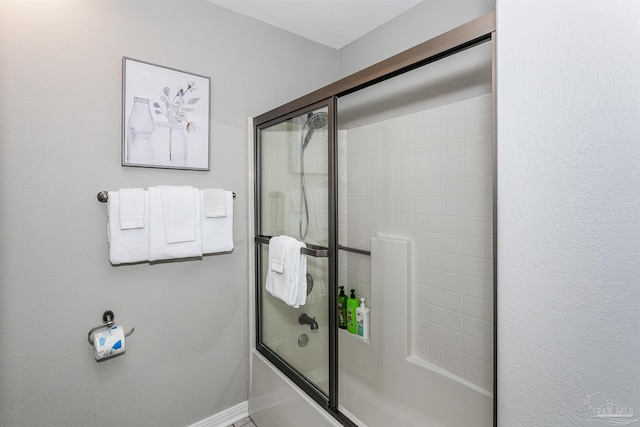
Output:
(132, 208)
(277, 250)
(291, 285)
(128, 245)
(217, 233)
(159, 247)
(179, 213)
(214, 201)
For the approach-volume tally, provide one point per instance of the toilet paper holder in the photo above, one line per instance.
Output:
(108, 318)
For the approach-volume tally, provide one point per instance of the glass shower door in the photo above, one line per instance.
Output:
(293, 200)
(416, 195)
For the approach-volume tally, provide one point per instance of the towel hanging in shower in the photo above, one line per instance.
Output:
(290, 286)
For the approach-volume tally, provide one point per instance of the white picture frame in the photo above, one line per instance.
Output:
(165, 117)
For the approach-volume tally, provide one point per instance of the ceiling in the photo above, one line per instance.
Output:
(333, 23)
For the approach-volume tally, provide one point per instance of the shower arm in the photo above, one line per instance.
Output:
(314, 121)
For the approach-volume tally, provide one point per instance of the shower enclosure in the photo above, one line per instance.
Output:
(388, 177)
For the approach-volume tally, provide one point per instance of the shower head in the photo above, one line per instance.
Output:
(314, 121)
(317, 120)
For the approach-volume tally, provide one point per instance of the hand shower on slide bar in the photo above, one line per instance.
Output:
(314, 121)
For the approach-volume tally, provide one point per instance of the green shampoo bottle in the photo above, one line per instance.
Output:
(342, 309)
(352, 306)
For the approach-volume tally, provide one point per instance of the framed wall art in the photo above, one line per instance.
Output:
(165, 117)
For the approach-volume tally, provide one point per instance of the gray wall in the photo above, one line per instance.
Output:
(568, 228)
(60, 101)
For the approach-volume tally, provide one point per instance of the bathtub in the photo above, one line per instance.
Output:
(275, 401)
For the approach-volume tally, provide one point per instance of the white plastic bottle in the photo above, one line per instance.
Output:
(362, 320)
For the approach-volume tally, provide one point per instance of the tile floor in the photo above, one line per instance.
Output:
(245, 422)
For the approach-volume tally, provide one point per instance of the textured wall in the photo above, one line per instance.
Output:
(60, 122)
(568, 245)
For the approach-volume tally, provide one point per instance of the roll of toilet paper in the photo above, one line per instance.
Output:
(108, 343)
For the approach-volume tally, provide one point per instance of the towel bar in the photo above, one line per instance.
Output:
(103, 196)
(311, 250)
(354, 250)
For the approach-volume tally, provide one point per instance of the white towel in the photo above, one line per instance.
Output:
(179, 213)
(132, 208)
(159, 248)
(129, 245)
(217, 233)
(291, 285)
(277, 251)
(214, 201)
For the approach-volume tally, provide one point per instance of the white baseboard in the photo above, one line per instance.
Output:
(226, 417)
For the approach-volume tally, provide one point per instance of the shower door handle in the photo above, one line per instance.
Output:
(311, 250)
(315, 251)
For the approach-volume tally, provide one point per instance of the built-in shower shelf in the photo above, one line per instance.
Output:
(344, 332)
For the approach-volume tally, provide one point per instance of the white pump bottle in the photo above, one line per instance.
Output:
(362, 320)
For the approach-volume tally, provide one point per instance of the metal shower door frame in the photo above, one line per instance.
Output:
(298, 378)
(473, 33)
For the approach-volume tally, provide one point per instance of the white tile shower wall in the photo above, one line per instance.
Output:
(428, 177)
